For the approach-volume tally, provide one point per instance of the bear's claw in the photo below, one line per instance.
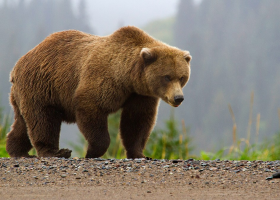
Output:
(66, 153)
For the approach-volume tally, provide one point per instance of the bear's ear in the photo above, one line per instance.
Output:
(187, 56)
(148, 55)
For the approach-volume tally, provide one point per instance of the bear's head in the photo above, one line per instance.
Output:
(166, 70)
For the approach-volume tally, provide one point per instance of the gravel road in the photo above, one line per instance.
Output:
(59, 178)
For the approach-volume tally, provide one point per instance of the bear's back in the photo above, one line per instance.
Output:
(49, 73)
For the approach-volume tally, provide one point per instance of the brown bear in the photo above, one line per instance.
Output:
(76, 77)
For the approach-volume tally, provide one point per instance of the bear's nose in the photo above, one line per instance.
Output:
(178, 99)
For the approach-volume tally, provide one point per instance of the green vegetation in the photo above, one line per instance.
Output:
(242, 149)
(170, 142)
(4, 128)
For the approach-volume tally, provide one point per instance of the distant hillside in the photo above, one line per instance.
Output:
(161, 29)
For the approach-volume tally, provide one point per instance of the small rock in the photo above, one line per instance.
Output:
(203, 164)
(270, 163)
(63, 175)
(276, 175)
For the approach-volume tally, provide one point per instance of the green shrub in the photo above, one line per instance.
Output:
(4, 128)
(170, 142)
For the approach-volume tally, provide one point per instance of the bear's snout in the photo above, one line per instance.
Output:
(178, 99)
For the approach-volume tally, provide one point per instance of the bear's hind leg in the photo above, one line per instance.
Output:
(18, 143)
(44, 129)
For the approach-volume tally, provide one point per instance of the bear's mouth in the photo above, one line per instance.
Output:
(175, 105)
(171, 103)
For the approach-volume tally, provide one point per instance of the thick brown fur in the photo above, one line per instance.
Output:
(77, 77)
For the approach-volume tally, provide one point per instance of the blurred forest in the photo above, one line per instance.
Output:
(24, 24)
(234, 44)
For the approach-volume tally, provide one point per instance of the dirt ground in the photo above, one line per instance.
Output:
(58, 178)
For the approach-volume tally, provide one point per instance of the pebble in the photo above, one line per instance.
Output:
(204, 164)
(63, 175)
(276, 175)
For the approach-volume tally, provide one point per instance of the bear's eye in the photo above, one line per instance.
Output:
(167, 78)
(182, 79)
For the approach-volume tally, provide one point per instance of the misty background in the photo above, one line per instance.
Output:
(235, 46)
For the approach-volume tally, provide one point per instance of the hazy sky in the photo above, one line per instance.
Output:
(108, 15)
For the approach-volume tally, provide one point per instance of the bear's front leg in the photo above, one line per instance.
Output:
(137, 121)
(93, 125)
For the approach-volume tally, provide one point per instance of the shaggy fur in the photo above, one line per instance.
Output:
(77, 77)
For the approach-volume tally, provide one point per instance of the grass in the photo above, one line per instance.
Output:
(4, 128)
(169, 142)
(242, 149)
